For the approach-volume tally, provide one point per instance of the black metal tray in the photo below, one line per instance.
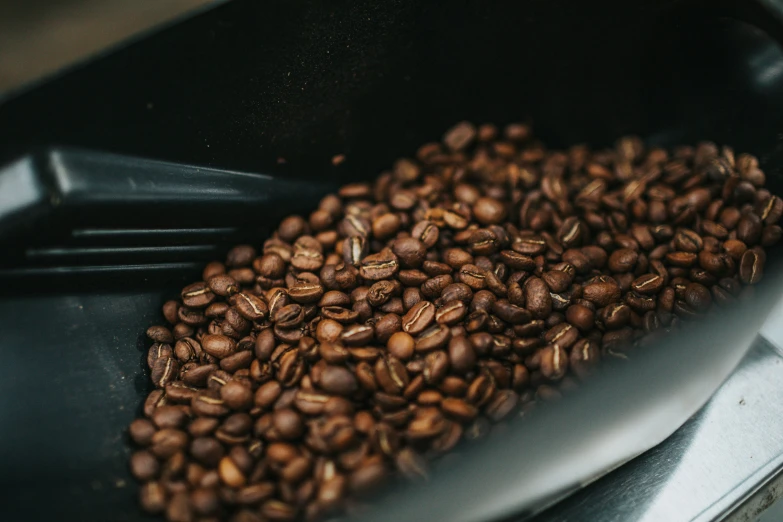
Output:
(239, 111)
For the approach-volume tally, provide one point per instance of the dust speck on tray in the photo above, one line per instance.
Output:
(338, 159)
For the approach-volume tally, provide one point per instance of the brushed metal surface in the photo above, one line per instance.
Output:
(725, 453)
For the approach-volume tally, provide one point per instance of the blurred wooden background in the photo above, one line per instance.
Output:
(39, 37)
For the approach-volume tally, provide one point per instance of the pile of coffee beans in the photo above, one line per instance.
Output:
(407, 314)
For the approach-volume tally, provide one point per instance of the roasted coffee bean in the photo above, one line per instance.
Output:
(537, 297)
(391, 375)
(401, 345)
(472, 276)
(648, 284)
(554, 361)
(410, 251)
(584, 356)
(236, 395)
(164, 371)
(451, 312)
(306, 292)
(152, 497)
(250, 306)
(158, 351)
(557, 280)
(432, 338)
(379, 266)
(141, 431)
(144, 466)
(751, 267)
(749, 229)
(170, 309)
(601, 293)
(241, 255)
(167, 442)
(688, 241)
(501, 405)
(580, 316)
(218, 346)
(436, 365)
(698, 297)
(160, 335)
(433, 287)
(337, 380)
(517, 261)
(197, 295)
(510, 313)
(623, 260)
(418, 318)
(378, 294)
(614, 316)
(563, 335)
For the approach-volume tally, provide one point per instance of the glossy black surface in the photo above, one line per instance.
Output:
(251, 82)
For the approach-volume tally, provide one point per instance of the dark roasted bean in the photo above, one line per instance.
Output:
(751, 267)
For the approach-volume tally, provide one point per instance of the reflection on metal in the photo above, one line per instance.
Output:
(719, 458)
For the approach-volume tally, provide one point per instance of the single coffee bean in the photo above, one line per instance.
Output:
(379, 266)
(160, 334)
(749, 229)
(432, 338)
(158, 351)
(581, 317)
(169, 417)
(472, 276)
(152, 497)
(337, 380)
(218, 346)
(306, 292)
(557, 281)
(141, 431)
(170, 309)
(614, 316)
(687, 240)
(451, 312)
(241, 255)
(563, 335)
(250, 307)
(554, 362)
(401, 345)
(537, 297)
(501, 405)
(418, 318)
(144, 466)
(460, 136)
(698, 297)
(426, 232)
(601, 293)
(236, 395)
(648, 284)
(751, 267)
(410, 251)
(517, 261)
(164, 371)
(378, 294)
(510, 313)
(197, 295)
(167, 442)
(489, 211)
(584, 356)
(771, 211)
